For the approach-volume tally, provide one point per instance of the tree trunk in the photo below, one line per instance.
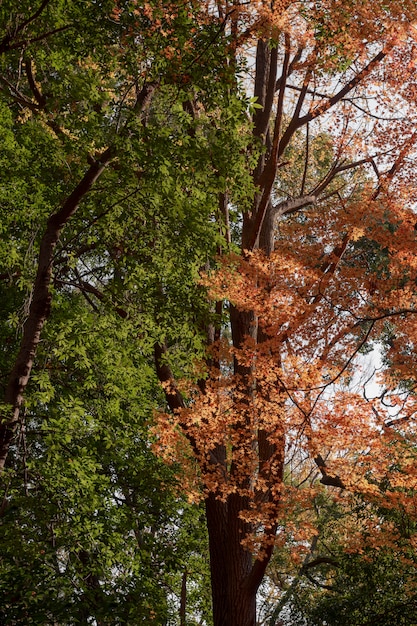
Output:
(40, 306)
(183, 599)
(233, 595)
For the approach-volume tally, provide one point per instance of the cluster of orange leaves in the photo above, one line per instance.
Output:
(317, 302)
(314, 322)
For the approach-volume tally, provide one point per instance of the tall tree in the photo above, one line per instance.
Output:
(325, 259)
(90, 98)
(108, 188)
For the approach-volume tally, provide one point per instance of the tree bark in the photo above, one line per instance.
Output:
(231, 565)
(183, 599)
(216, 519)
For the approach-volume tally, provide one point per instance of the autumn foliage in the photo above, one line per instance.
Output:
(326, 274)
(228, 190)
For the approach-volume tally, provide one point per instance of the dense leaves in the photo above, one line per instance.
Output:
(338, 584)
(94, 526)
(207, 216)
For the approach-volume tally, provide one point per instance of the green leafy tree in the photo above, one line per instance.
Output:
(112, 166)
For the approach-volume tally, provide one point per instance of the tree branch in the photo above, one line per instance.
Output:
(322, 107)
(288, 207)
(267, 177)
(173, 396)
(326, 478)
(40, 305)
(23, 43)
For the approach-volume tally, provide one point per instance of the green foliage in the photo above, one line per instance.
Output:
(370, 588)
(370, 582)
(97, 517)
(94, 526)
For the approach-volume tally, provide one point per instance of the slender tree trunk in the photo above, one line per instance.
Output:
(40, 306)
(183, 599)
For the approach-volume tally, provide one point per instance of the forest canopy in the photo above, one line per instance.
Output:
(208, 312)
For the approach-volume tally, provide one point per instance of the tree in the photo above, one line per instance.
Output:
(304, 296)
(343, 581)
(98, 121)
(297, 204)
(101, 226)
(93, 525)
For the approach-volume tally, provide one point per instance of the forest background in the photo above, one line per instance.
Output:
(208, 230)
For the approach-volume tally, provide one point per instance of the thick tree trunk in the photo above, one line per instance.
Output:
(235, 573)
(242, 599)
(231, 565)
(216, 518)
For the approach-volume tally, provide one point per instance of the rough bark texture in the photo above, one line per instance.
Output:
(235, 576)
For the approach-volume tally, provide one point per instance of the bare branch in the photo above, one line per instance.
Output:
(352, 101)
(288, 207)
(322, 107)
(268, 175)
(33, 17)
(23, 43)
(326, 478)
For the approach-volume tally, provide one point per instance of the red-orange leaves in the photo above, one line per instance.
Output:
(327, 272)
(293, 388)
